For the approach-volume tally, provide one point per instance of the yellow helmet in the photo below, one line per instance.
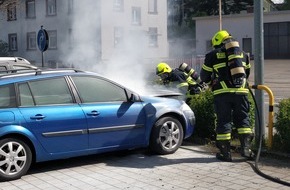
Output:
(219, 37)
(162, 68)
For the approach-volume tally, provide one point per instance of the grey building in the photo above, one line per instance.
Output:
(86, 31)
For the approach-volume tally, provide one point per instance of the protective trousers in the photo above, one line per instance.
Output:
(232, 109)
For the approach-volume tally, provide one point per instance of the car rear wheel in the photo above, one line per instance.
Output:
(166, 136)
(15, 159)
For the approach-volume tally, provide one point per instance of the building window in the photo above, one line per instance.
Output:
(152, 6)
(118, 36)
(50, 7)
(12, 42)
(52, 39)
(208, 45)
(153, 37)
(31, 40)
(136, 15)
(11, 11)
(70, 6)
(30, 9)
(118, 5)
(70, 38)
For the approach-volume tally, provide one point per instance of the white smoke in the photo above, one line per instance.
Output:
(125, 64)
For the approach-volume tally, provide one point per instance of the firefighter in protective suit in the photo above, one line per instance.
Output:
(177, 78)
(230, 102)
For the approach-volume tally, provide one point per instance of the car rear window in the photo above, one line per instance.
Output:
(45, 92)
(7, 96)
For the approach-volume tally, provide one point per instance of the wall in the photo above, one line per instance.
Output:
(240, 26)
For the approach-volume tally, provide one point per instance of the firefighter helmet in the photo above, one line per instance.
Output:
(219, 37)
(163, 68)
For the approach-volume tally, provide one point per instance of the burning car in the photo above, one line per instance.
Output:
(57, 114)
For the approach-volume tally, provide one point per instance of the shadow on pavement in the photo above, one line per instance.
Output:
(139, 158)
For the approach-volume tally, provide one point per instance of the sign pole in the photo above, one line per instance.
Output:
(42, 42)
(42, 61)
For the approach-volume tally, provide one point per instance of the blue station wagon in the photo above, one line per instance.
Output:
(57, 114)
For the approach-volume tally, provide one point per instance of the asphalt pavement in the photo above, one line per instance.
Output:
(191, 167)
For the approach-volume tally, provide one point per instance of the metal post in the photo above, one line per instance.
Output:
(42, 60)
(271, 112)
(220, 14)
(259, 65)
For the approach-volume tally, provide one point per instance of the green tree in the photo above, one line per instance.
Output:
(196, 8)
(181, 26)
(284, 6)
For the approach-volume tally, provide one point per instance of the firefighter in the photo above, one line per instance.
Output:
(230, 102)
(176, 78)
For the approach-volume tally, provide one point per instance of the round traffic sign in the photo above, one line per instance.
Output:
(42, 40)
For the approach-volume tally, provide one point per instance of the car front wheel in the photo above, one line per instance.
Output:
(15, 159)
(166, 136)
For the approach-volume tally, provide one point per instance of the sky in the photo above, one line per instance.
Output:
(277, 1)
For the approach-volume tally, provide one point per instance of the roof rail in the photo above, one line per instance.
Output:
(11, 71)
(31, 71)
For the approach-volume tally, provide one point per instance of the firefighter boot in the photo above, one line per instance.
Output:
(246, 140)
(225, 151)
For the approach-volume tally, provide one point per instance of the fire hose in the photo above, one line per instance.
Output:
(270, 133)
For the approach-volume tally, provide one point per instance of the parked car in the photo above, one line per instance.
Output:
(14, 64)
(57, 114)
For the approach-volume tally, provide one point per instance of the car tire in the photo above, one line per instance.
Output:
(166, 136)
(15, 159)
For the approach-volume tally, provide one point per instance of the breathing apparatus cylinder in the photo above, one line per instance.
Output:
(190, 71)
(235, 64)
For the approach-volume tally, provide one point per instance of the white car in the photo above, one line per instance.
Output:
(15, 64)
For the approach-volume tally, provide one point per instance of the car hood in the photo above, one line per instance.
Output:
(166, 93)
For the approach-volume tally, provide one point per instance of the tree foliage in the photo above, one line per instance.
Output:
(284, 6)
(196, 8)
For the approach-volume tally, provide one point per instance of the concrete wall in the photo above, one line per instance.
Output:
(240, 26)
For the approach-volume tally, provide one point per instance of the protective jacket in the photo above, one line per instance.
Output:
(179, 79)
(215, 72)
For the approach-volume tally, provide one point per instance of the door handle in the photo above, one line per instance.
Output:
(93, 113)
(37, 117)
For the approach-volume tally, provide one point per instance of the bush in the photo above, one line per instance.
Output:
(252, 111)
(282, 126)
(203, 108)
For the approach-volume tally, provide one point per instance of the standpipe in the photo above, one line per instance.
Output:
(271, 111)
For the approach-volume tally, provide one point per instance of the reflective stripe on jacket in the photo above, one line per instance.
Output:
(215, 72)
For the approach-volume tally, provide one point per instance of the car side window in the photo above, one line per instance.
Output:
(92, 89)
(25, 95)
(7, 96)
(45, 92)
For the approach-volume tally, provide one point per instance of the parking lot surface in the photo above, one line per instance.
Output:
(191, 167)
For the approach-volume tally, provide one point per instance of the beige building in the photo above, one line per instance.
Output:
(86, 32)
(241, 26)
